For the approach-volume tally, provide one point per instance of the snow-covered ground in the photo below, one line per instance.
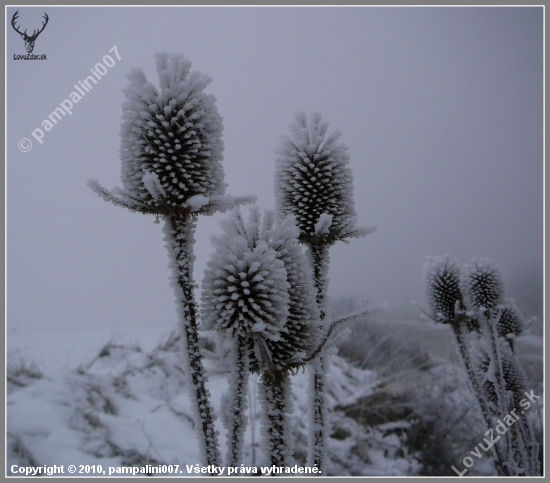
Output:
(118, 398)
(102, 398)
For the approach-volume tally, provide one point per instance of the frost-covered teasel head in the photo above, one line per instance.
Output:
(481, 284)
(511, 321)
(314, 183)
(245, 289)
(302, 329)
(283, 344)
(171, 147)
(441, 277)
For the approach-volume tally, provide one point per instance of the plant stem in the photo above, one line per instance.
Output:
(236, 411)
(319, 258)
(179, 231)
(274, 388)
(465, 358)
(318, 434)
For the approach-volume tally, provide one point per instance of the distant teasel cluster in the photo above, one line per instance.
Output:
(470, 298)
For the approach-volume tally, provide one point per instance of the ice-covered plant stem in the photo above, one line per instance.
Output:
(171, 153)
(314, 183)
(318, 255)
(179, 242)
(276, 404)
(236, 402)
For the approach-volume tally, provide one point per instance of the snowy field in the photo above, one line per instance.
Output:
(117, 398)
(109, 398)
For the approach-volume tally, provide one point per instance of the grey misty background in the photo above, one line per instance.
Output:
(441, 109)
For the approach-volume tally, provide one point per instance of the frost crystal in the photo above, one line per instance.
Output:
(302, 330)
(258, 283)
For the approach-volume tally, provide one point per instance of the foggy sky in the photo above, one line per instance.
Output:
(441, 109)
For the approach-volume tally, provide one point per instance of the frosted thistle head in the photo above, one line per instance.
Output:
(481, 284)
(171, 146)
(511, 321)
(314, 183)
(245, 289)
(302, 332)
(441, 277)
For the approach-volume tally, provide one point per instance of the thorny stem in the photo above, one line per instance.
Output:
(458, 327)
(319, 261)
(525, 432)
(317, 446)
(237, 424)
(273, 385)
(180, 231)
(490, 331)
(517, 437)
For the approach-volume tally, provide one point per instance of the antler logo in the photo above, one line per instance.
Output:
(29, 39)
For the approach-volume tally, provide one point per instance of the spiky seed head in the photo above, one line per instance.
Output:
(511, 322)
(245, 289)
(302, 329)
(481, 284)
(298, 333)
(172, 146)
(441, 277)
(313, 180)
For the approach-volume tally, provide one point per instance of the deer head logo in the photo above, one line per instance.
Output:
(29, 39)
